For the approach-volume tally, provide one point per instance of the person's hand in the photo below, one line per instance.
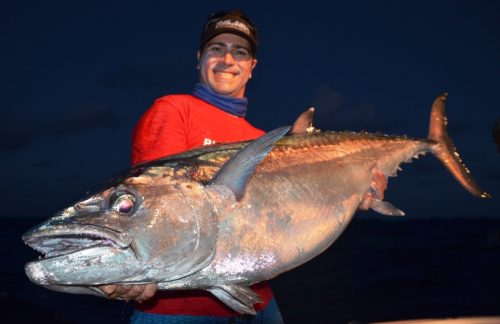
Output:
(139, 293)
(379, 184)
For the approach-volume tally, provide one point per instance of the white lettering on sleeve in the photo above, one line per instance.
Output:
(208, 141)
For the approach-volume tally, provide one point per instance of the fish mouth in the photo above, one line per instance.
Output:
(66, 239)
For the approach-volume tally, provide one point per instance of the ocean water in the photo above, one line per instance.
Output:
(378, 270)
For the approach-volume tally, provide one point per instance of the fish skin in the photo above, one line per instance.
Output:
(188, 229)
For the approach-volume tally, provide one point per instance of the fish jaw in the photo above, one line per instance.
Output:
(65, 239)
(91, 266)
(77, 254)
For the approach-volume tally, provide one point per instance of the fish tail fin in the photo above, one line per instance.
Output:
(445, 150)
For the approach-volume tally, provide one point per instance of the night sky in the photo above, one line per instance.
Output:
(76, 77)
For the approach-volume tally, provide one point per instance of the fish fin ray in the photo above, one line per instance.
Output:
(236, 172)
(238, 297)
(385, 208)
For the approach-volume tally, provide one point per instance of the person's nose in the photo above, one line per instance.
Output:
(228, 58)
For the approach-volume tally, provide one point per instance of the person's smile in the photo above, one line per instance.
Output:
(223, 75)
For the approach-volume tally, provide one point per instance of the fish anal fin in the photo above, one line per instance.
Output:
(239, 298)
(385, 208)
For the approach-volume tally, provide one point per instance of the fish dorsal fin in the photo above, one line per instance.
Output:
(304, 123)
(240, 298)
(385, 208)
(236, 172)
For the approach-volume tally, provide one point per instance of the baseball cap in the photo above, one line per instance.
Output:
(233, 22)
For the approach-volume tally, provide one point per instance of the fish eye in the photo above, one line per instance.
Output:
(122, 202)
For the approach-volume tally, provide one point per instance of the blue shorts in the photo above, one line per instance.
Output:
(270, 315)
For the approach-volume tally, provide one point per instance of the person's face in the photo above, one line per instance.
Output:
(226, 65)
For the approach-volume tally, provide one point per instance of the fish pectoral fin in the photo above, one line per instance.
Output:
(385, 208)
(238, 297)
(236, 172)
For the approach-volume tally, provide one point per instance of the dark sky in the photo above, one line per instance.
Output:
(76, 77)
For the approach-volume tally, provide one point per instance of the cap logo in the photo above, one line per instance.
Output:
(233, 24)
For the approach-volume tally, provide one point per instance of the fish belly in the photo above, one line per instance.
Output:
(287, 217)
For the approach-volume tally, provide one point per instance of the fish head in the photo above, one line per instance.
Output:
(149, 227)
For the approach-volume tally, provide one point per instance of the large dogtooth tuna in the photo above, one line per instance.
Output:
(223, 217)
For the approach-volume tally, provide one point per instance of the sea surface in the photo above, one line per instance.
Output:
(378, 270)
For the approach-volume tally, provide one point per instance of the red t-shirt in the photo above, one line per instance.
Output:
(177, 123)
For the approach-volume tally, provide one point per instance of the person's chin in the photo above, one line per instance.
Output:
(224, 90)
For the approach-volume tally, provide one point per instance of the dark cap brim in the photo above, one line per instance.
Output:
(213, 33)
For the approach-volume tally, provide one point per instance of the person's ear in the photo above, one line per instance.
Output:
(254, 63)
